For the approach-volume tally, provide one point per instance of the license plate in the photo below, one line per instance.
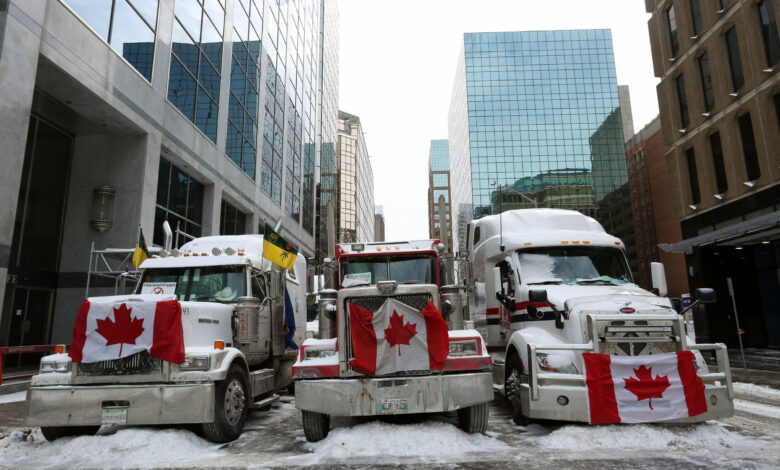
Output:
(395, 405)
(114, 416)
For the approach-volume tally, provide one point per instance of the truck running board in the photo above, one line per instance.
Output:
(265, 402)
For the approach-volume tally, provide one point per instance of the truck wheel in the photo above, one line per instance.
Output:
(230, 407)
(55, 432)
(315, 425)
(512, 390)
(474, 419)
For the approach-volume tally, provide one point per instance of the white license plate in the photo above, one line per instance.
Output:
(114, 416)
(395, 405)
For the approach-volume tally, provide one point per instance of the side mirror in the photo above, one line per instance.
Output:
(537, 296)
(706, 295)
(659, 278)
(447, 308)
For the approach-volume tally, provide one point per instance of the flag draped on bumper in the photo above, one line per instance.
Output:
(641, 389)
(397, 338)
(110, 329)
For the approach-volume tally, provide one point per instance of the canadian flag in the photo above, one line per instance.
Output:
(641, 389)
(109, 329)
(397, 337)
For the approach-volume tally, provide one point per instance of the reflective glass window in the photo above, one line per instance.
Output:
(717, 163)
(766, 15)
(706, 82)
(749, 150)
(179, 201)
(735, 59)
(693, 176)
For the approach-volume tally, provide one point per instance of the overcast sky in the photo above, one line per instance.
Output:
(397, 67)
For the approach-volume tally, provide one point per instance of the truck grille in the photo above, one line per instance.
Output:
(137, 364)
(416, 301)
(634, 338)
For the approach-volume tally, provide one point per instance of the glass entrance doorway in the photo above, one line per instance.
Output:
(36, 246)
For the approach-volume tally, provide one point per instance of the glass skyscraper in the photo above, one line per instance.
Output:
(535, 121)
(439, 214)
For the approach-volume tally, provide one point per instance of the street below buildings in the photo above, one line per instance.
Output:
(275, 439)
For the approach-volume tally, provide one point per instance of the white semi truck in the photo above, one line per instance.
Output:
(551, 284)
(235, 357)
(377, 356)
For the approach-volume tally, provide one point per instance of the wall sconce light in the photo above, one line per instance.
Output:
(102, 208)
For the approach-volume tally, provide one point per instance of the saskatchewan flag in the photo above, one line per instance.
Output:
(278, 250)
(141, 251)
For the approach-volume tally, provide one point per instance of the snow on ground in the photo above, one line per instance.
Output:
(757, 408)
(12, 397)
(136, 447)
(756, 390)
(422, 442)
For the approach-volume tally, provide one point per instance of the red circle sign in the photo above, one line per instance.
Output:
(158, 290)
(627, 310)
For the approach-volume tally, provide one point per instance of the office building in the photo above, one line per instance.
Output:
(126, 113)
(379, 224)
(439, 213)
(355, 200)
(535, 121)
(719, 104)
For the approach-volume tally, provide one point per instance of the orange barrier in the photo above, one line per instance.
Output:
(22, 350)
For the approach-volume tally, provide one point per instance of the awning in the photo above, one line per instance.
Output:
(759, 228)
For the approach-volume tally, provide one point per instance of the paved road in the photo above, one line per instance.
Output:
(275, 439)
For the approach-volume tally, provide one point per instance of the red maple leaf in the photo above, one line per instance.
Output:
(398, 333)
(121, 331)
(645, 386)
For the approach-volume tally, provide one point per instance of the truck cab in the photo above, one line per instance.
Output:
(236, 353)
(551, 284)
(391, 286)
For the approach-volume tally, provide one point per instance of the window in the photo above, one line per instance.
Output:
(749, 147)
(196, 61)
(683, 101)
(673, 31)
(695, 17)
(693, 177)
(723, 4)
(735, 60)
(717, 163)
(128, 25)
(440, 180)
(766, 15)
(706, 82)
(231, 220)
(179, 201)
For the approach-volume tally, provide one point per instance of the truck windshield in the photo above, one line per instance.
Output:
(573, 265)
(404, 270)
(199, 284)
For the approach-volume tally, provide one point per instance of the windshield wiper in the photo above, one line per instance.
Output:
(596, 280)
(548, 281)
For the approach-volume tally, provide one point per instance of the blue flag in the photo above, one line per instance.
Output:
(289, 321)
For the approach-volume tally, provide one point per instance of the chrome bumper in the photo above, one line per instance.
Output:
(420, 394)
(145, 404)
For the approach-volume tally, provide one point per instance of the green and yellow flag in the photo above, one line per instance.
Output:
(278, 250)
(141, 251)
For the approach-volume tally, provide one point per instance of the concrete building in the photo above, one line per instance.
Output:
(355, 205)
(654, 220)
(125, 113)
(379, 224)
(535, 121)
(719, 100)
(439, 211)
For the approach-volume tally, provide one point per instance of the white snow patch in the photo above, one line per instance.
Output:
(757, 408)
(13, 397)
(313, 326)
(756, 390)
(709, 436)
(429, 441)
(137, 448)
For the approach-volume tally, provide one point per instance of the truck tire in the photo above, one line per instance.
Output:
(474, 419)
(512, 381)
(55, 432)
(231, 404)
(315, 425)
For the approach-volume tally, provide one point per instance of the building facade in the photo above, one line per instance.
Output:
(535, 121)
(439, 212)
(654, 220)
(125, 113)
(379, 224)
(719, 100)
(355, 207)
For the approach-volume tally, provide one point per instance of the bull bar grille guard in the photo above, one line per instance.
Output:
(535, 377)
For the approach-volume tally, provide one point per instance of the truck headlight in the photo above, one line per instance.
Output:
(317, 353)
(555, 363)
(195, 363)
(54, 366)
(466, 347)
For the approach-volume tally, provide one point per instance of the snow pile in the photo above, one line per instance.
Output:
(137, 448)
(649, 437)
(756, 390)
(313, 326)
(13, 397)
(428, 441)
